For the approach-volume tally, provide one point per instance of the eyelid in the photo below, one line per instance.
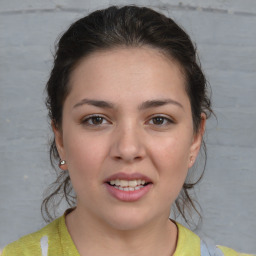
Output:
(88, 117)
(168, 118)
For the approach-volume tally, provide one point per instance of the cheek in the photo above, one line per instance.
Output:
(170, 158)
(171, 153)
(84, 154)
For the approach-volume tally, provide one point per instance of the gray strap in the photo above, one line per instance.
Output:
(208, 248)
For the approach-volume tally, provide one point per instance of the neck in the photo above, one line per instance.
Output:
(92, 237)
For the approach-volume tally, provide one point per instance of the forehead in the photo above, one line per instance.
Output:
(127, 71)
(128, 57)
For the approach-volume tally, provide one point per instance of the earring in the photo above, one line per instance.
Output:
(191, 159)
(62, 164)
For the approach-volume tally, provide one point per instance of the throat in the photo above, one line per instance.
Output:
(149, 240)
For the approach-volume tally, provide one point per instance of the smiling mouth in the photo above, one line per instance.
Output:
(128, 185)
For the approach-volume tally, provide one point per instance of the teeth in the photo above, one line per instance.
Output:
(132, 183)
(128, 188)
(126, 183)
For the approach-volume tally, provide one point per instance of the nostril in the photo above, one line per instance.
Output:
(126, 158)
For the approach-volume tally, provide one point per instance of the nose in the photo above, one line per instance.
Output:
(128, 144)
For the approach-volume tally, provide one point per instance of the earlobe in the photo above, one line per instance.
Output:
(197, 141)
(58, 140)
(63, 165)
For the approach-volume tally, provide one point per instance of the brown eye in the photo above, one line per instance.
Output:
(94, 121)
(160, 121)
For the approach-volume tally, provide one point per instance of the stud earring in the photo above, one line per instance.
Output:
(62, 164)
(191, 159)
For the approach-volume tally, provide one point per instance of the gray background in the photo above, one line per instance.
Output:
(225, 33)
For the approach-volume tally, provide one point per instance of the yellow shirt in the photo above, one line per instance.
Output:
(54, 240)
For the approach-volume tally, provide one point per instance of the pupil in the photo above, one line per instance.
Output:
(97, 120)
(158, 120)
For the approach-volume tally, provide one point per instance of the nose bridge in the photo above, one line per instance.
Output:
(128, 143)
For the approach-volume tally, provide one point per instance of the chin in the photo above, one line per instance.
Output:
(128, 220)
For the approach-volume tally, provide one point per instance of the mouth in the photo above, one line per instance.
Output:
(128, 185)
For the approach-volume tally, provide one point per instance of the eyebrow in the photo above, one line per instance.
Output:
(158, 103)
(145, 105)
(96, 103)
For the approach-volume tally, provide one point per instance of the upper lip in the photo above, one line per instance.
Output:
(128, 176)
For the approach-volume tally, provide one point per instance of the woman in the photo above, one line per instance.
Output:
(128, 105)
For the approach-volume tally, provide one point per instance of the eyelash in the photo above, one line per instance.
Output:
(166, 121)
(90, 118)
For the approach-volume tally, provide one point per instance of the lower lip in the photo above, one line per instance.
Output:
(128, 196)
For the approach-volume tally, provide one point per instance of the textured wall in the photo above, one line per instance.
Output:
(225, 34)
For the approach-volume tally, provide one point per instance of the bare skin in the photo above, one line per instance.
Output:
(127, 114)
(163, 237)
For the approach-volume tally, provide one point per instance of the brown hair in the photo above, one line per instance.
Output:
(129, 26)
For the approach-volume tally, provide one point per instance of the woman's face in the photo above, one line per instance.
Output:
(127, 136)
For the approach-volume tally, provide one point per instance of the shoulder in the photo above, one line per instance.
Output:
(230, 252)
(31, 244)
(210, 249)
(187, 241)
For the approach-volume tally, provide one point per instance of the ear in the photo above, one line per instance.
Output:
(197, 141)
(58, 140)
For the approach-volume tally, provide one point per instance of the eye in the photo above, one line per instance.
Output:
(160, 121)
(95, 120)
